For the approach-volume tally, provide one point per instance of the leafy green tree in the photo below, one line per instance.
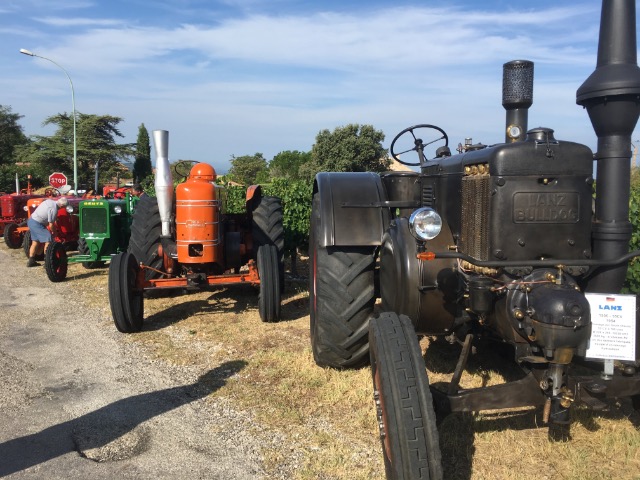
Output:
(96, 147)
(287, 164)
(249, 169)
(142, 165)
(8, 177)
(352, 148)
(11, 135)
(632, 282)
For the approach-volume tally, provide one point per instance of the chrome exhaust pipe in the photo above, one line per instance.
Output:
(164, 180)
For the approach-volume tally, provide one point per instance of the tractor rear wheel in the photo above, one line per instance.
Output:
(12, 237)
(146, 230)
(341, 295)
(55, 261)
(404, 406)
(269, 300)
(125, 298)
(267, 228)
(83, 249)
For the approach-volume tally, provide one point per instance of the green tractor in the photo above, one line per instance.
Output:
(105, 228)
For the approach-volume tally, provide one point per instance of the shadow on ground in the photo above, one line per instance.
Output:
(113, 432)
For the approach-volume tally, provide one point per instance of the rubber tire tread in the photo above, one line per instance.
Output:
(122, 273)
(55, 261)
(405, 397)
(267, 228)
(146, 230)
(342, 296)
(269, 300)
(10, 234)
(26, 243)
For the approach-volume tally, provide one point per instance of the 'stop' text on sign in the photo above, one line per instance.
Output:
(57, 180)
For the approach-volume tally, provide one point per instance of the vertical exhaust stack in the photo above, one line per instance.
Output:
(611, 96)
(17, 185)
(164, 180)
(517, 97)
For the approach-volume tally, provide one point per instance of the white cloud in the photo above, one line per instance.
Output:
(268, 83)
(78, 22)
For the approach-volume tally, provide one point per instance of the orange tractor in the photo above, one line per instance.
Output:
(192, 243)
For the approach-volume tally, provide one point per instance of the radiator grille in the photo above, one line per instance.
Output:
(94, 220)
(474, 232)
(8, 207)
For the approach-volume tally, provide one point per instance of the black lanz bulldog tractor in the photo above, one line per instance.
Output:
(500, 242)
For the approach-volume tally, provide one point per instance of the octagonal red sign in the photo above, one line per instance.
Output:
(57, 179)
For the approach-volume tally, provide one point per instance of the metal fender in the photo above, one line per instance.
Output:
(254, 192)
(426, 291)
(352, 210)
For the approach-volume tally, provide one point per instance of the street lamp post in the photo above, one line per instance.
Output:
(73, 107)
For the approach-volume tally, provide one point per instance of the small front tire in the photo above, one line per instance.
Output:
(404, 404)
(12, 237)
(125, 297)
(55, 262)
(269, 300)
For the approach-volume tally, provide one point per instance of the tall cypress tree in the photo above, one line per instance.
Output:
(142, 166)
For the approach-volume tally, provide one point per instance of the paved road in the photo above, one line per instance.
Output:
(77, 401)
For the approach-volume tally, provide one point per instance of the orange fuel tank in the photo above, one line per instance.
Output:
(198, 217)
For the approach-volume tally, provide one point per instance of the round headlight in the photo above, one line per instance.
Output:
(117, 209)
(69, 208)
(26, 208)
(425, 223)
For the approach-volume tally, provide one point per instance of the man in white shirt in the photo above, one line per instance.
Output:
(44, 215)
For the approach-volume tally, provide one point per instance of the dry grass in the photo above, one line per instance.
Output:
(327, 416)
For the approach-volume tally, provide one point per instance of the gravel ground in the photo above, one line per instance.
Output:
(78, 402)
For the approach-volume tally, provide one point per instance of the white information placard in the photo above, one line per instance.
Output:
(613, 334)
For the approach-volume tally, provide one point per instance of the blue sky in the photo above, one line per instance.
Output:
(236, 77)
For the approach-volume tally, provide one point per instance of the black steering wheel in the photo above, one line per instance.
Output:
(417, 145)
(183, 167)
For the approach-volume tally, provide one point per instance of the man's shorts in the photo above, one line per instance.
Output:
(39, 232)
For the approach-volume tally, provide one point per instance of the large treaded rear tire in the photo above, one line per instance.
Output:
(404, 406)
(341, 295)
(146, 230)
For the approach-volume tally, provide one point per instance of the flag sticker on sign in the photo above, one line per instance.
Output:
(613, 322)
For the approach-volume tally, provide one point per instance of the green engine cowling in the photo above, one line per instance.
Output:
(105, 228)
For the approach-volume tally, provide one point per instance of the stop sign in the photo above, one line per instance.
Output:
(57, 180)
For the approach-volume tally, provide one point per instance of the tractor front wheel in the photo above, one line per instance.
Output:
(12, 237)
(125, 298)
(83, 249)
(270, 288)
(55, 262)
(26, 242)
(404, 406)
(267, 228)
(341, 296)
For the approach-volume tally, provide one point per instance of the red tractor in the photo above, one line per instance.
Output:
(68, 225)
(192, 243)
(13, 211)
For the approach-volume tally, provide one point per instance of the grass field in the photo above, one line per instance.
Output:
(327, 417)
